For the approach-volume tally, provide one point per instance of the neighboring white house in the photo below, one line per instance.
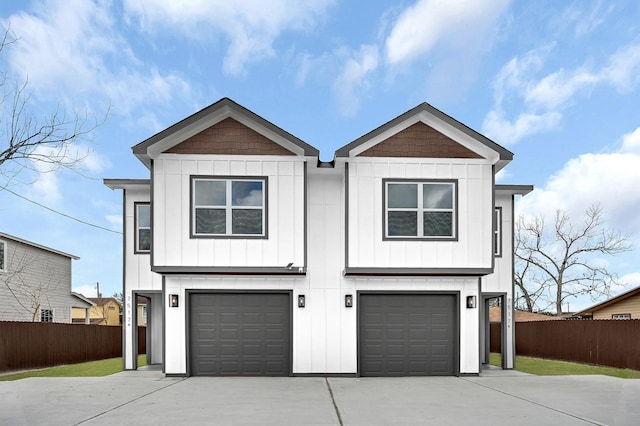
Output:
(257, 258)
(35, 282)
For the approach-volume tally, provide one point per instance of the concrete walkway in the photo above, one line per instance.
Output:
(147, 397)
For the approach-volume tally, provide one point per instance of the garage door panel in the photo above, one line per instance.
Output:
(406, 334)
(240, 334)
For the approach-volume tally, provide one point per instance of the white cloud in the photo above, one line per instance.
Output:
(352, 82)
(72, 50)
(115, 220)
(543, 100)
(250, 27)
(585, 19)
(630, 281)
(429, 22)
(87, 290)
(610, 179)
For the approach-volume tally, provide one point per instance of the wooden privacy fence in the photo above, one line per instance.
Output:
(615, 343)
(28, 345)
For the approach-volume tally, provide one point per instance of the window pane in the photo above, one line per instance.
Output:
(144, 239)
(402, 224)
(211, 221)
(144, 215)
(1, 255)
(402, 195)
(437, 196)
(246, 221)
(210, 193)
(246, 193)
(438, 224)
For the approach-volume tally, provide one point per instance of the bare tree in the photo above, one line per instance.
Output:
(553, 266)
(42, 144)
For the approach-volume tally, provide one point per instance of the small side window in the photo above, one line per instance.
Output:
(143, 228)
(497, 232)
(46, 315)
(3, 256)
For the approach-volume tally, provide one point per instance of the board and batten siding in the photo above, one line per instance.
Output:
(473, 247)
(172, 244)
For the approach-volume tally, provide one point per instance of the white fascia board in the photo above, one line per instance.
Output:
(438, 125)
(223, 113)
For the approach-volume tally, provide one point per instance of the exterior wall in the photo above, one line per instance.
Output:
(35, 279)
(172, 244)
(501, 281)
(325, 331)
(627, 306)
(475, 185)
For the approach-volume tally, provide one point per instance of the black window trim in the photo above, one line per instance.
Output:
(136, 249)
(265, 208)
(497, 233)
(385, 237)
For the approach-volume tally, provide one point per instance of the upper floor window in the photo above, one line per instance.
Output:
(497, 232)
(229, 207)
(3, 256)
(46, 315)
(143, 227)
(420, 209)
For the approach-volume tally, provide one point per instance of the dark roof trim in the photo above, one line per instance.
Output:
(505, 154)
(515, 189)
(141, 148)
(38, 246)
(613, 300)
(126, 183)
(418, 272)
(230, 270)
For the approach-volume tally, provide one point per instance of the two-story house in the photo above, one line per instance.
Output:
(257, 258)
(35, 283)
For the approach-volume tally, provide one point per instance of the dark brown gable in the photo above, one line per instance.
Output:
(419, 140)
(229, 137)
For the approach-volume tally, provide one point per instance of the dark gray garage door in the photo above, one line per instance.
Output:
(240, 334)
(407, 335)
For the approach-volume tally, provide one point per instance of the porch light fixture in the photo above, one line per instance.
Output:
(471, 302)
(348, 301)
(301, 301)
(173, 300)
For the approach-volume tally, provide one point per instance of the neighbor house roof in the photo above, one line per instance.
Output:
(432, 116)
(39, 246)
(99, 301)
(619, 298)
(205, 118)
(520, 316)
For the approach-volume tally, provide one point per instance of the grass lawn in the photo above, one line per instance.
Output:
(547, 367)
(103, 367)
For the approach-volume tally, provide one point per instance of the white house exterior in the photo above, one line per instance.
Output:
(259, 259)
(35, 282)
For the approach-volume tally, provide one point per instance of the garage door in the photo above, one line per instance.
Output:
(407, 335)
(240, 334)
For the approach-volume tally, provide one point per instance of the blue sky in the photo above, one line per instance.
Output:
(555, 82)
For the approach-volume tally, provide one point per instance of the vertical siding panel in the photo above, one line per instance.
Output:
(172, 221)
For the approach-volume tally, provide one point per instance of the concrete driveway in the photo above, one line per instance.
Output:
(147, 397)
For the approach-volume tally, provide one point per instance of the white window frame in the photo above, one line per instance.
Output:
(497, 232)
(621, 316)
(138, 228)
(229, 207)
(3, 256)
(420, 210)
(51, 311)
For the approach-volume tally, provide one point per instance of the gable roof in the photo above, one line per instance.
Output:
(435, 119)
(211, 115)
(619, 298)
(38, 246)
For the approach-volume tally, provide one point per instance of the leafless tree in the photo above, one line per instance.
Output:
(553, 266)
(27, 142)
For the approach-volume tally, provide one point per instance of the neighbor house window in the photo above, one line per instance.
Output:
(621, 316)
(229, 207)
(3, 256)
(143, 227)
(46, 315)
(420, 209)
(497, 232)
